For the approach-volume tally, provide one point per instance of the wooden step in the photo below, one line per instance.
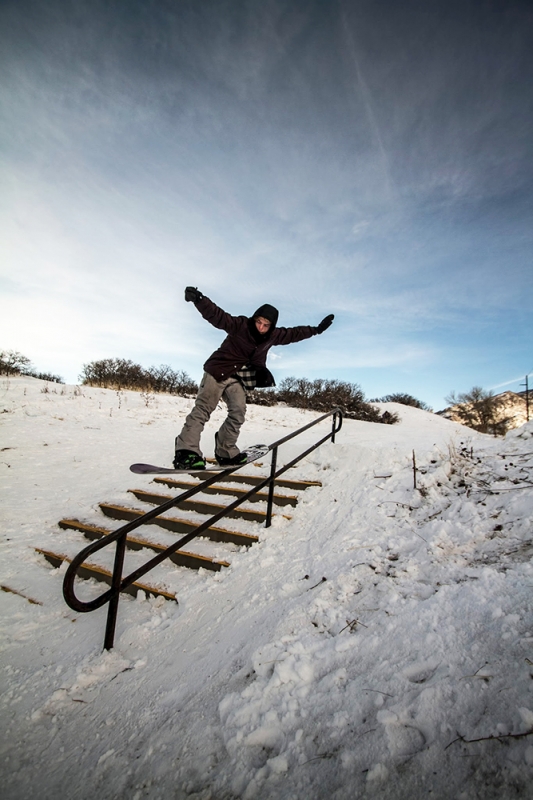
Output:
(182, 558)
(180, 525)
(89, 570)
(200, 506)
(253, 480)
(216, 488)
(9, 589)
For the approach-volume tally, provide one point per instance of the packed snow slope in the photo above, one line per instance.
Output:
(378, 644)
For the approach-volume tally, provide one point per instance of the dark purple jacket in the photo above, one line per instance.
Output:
(244, 345)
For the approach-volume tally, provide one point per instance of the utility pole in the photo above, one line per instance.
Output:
(527, 398)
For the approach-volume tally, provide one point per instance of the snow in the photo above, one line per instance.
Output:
(358, 650)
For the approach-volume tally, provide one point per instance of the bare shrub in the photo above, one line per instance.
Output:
(165, 379)
(261, 397)
(323, 395)
(114, 373)
(13, 363)
(404, 399)
(479, 409)
(120, 373)
(46, 376)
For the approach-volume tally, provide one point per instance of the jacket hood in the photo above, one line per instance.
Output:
(268, 312)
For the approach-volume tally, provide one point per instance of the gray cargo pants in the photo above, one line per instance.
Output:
(209, 395)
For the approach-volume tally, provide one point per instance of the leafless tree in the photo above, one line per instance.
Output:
(13, 363)
(480, 410)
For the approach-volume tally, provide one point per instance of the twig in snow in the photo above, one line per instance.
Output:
(370, 730)
(317, 584)
(491, 737)
(420, 537)
(317, 758)
(484, 677)
(377, 691)
(397, 502)
(512, 489)
(126, 669)
(352, 625)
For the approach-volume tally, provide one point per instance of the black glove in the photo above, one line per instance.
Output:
(192, 294)
(326, 322)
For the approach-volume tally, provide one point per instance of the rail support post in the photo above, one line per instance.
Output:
(271, 487)
(333, 427)
(112, 610)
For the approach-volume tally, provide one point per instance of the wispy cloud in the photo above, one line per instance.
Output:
(323, 158)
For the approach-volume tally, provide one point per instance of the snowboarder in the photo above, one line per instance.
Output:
(238, 364)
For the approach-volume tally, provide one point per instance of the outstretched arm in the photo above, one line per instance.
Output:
(210, 311)
(300, 332)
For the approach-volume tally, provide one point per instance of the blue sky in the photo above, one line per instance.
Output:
(368, 159)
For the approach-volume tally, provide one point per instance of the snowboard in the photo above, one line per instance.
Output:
(251, 453)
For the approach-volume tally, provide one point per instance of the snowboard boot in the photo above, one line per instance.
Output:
(187, 459)
(240, 458)
(222, 461)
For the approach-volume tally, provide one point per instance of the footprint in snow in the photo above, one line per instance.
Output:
(420, 671)
(403, 738)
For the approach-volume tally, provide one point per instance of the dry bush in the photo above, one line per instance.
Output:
(323, 395)
(480, 410)
(13, 363)
(262, 397)
(121, 373)
(404, 399)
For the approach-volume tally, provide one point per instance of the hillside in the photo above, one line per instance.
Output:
(512, 406)
(379, 643)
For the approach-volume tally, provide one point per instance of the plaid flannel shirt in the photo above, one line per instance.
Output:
(246, 375)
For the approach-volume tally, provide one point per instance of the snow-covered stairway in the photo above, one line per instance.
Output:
(93, 570)
(232, 484)
(198, 521)
(192, 514)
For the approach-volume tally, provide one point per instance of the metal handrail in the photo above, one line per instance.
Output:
(119, 583)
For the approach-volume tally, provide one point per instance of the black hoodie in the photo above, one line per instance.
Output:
(244, 345)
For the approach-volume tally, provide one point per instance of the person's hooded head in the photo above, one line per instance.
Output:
(264, 312)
